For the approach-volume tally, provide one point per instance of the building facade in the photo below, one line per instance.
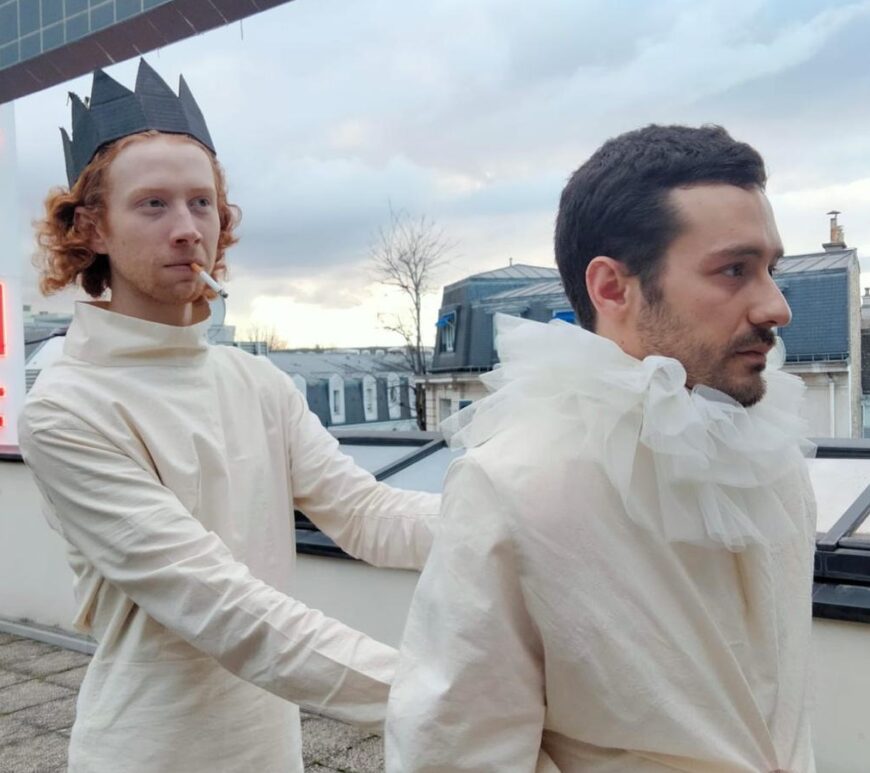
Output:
(350, 388)
(823, 342)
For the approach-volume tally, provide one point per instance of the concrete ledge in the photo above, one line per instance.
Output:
(51, 636)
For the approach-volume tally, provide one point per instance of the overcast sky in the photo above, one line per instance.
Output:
(324, 112)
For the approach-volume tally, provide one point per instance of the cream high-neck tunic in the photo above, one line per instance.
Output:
(172, 469)
(622, 578)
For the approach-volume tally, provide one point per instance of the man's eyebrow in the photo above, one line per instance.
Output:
(157, 190)
(745, 251)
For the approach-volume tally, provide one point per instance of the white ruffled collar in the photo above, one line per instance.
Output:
(693, 465)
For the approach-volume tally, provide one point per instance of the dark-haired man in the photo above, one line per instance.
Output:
(172, 469)
(623, 578)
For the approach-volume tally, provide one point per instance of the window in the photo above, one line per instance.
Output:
(336, 399)
(446, 325)
(370, 398)
(445, 408)
(394, 396)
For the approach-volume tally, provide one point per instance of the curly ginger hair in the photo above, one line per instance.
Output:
(64, 255)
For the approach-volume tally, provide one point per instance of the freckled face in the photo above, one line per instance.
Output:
(161, 216)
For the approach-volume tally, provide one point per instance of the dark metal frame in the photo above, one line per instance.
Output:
(842, 561)
(309, 539)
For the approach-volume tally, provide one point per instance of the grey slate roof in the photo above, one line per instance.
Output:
(313, 365)
(519, 271)
(816, 287)
(816, 261)
(538, 289)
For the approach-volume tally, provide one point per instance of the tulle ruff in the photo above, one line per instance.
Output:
(695, 466)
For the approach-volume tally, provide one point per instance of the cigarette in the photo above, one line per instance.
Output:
(209, 280)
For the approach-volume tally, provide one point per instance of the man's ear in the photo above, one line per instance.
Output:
(612, 289)
(89, 226)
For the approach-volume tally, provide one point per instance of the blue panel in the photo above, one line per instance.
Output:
(102, 16)
(77, 27)
(153, 3)
(72, 7)
(31, 46)
(93, 3)
(9, 54)
(52, 37)
(28, 16)
(124, 9)
(820, 315)
(9, 24)
(565, 316)
(52, 11)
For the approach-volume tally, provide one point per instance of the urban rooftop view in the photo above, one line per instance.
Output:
(353, 132)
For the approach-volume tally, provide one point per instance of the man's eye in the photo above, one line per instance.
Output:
(202, 201)
(153, 203)
(734, 270)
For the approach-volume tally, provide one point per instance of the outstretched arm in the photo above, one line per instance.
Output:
(140, 538)
(381, 525)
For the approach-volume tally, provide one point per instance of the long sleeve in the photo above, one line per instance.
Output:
(381, 525)
(469, 691)
(139, 537)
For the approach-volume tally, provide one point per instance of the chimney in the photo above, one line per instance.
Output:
(837, 241)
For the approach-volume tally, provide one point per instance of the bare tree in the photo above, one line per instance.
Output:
(267, 333)
(407, 254)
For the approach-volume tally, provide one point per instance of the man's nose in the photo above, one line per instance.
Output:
(184, 229)
(770, 308)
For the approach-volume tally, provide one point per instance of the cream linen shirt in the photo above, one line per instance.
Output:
(551, 631)
(172, 468)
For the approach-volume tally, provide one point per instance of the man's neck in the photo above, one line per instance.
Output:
(179, 315)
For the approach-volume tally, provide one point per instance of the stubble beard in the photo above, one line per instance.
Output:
(662, 332)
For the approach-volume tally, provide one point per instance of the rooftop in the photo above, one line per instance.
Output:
(538, 289)
(38, 687)
(816, 261)
(509, 273)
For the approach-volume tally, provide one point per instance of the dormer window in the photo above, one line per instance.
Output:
(446, 325)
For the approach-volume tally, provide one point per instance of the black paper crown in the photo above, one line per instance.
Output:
(114, 111)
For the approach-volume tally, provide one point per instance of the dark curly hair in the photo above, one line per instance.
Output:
(617, 204)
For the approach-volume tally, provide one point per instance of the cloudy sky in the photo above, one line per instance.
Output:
(326, 112)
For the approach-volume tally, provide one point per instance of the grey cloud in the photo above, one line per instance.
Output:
(475, 113)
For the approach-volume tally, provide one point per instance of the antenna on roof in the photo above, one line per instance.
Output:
(837, 241)
(510, 261)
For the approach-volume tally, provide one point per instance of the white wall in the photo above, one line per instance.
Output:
(842, 682)
(817, 405)
(12, 359)
(35, 581)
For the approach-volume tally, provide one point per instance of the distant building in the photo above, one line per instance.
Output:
(369, 387)
(464, 345)
(823, 342)
(354, 387)
(865, 361)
